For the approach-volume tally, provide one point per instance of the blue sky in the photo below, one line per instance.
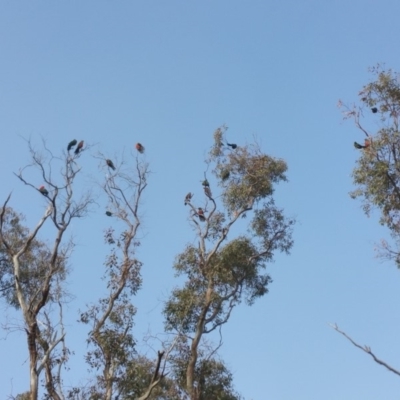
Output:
(168, 74)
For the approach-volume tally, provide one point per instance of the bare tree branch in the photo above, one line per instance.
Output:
(365, 349)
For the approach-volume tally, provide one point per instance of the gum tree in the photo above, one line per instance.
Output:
(376, 175)
(225, 268)
(33, 270)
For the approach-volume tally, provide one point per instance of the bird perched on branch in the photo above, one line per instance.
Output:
(188, 198)
(79, 147)
(108, 213)
(225, 174)
(207, 191)
(205, 183)
(44, 191)
(139, 148)
(374, 110)
(359, 146)
(110, 164)
(232, 145)
(71, 144)
(200, 214)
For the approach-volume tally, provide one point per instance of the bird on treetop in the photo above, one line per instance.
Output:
(44, 191)
(233, 145)
(79, 147)
(358, 146)
(110, 164)
(108, 213)
(205, 183)
(225, 174)
(188, 198)
(374, 110)
(139, 148)
(200, 213)
(71, 144)
(207, 191)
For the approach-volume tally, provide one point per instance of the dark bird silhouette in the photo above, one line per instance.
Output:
(358, 146)
(71, 144)
(79, 147)
(44, 191)
(205, 183)
(139, 148)
(225, 174)
(232, 145)
(200, 214)
(188, 198)
(207, 191)
(374, 110)
(110, 164)
(367, 143)
(108, 213)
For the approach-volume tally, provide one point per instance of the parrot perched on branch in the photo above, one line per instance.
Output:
(200, 214)
(233, 145)
(205, 183)
(44, 191)
(139, 148)
(71, 144)
(79, 147)
(374, 110)
(110, 164)
(225, 174)
(359, 146)
(188, 198)
(207, 191)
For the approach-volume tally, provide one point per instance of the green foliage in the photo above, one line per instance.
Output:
(213, 379)
(34, 263)
(246, 174)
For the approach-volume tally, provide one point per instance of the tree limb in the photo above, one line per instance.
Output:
(366, 349)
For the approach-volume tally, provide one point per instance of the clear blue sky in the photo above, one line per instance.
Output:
(167, 73)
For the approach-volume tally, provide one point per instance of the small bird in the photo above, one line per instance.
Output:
(110, 164)
(188, 198)
(207, 191)
(225, 174)
(71, 144)
(44, 191)
(139, 148)
(374, 110)
(233, 145)
(358, 146)
(79, 147)
(200, 214)
(205, 183)
(367, 143)
(108, 213)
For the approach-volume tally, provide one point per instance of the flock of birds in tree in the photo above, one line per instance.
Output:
(139, 147)
(207, 190)
(367, 142)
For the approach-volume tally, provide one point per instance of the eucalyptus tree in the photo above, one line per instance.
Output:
(225, 266)
(33, 269)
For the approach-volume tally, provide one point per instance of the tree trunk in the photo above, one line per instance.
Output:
(31, 334)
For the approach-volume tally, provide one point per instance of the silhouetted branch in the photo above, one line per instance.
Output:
(366, 349)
